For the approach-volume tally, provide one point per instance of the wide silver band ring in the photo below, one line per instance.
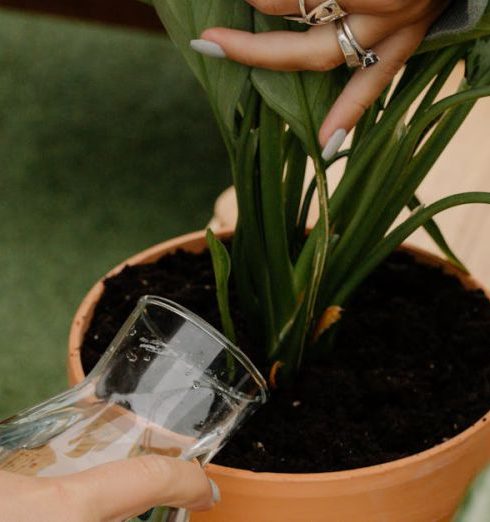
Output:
(355, 54)
(326, 12)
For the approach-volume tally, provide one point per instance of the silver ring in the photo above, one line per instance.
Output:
(326, 12)
(355, 55)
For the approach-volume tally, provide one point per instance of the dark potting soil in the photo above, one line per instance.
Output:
(410, 367)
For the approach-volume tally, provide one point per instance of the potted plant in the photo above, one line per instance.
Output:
(294, 287)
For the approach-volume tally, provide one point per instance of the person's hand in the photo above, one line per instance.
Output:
(111, 492)
(392, 28)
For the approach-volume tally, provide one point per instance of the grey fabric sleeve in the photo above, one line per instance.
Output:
(460, 16)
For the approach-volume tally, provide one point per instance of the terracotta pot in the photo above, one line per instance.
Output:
(425, 487)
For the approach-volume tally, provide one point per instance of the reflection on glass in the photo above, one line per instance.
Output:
(169, 383)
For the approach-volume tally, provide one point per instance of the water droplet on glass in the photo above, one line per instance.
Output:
(132, 333)
(196, 385)
(147, 358)
(131, 357)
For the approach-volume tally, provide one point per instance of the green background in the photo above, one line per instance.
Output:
(107, 146)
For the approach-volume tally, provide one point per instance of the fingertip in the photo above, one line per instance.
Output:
(208, 48)
(332, 122)
(134, 485)
(324, 134)
(216, 491)
(230, 42)
(329, 127)
(208, 500)
(344, 114)
(333, 144)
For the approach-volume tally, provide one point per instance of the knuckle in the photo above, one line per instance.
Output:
(324, 62)
(359, 105)
(390, 69)
(153, 467)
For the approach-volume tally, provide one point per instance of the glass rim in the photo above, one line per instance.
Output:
(212, 332)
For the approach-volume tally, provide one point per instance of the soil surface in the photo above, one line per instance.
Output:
(410, 368)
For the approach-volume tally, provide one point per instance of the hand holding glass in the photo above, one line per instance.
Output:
(169, 384)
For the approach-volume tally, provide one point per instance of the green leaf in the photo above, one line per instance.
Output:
(319, 238)
(432, 228)
(302, 99)
(251, 273)
(223, 80)
(293, 187)
(478, 64)
(454, 111)
(362, 218)
(393, 180)
(222, 270)
(302, 268)
(438, 83)
(476, 504)
(274, 223)
(399, 234)
(416, 78)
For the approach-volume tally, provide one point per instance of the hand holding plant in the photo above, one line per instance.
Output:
(292, 284)
(394, 29)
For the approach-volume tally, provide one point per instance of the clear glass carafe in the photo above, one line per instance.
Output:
(169, 383)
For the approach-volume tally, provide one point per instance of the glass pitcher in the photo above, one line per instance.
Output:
(169, 383)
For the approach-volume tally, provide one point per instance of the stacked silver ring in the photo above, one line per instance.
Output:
(355, 54)
(330, 11)
(326, 12)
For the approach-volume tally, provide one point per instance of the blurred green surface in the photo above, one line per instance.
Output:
(107, 146)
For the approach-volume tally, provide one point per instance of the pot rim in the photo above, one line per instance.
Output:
(76, 373)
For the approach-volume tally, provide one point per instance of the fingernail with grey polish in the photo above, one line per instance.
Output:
(208, 48)
(216, 491)
(334, 144)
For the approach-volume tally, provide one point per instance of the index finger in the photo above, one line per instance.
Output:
(123, 489)
(316, 49)
(366, 85)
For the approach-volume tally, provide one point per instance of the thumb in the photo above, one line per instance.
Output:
(125, 488)
(366, 85)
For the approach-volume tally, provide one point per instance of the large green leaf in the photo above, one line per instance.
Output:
(302, 99)
(273, 217)
(223, 80)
